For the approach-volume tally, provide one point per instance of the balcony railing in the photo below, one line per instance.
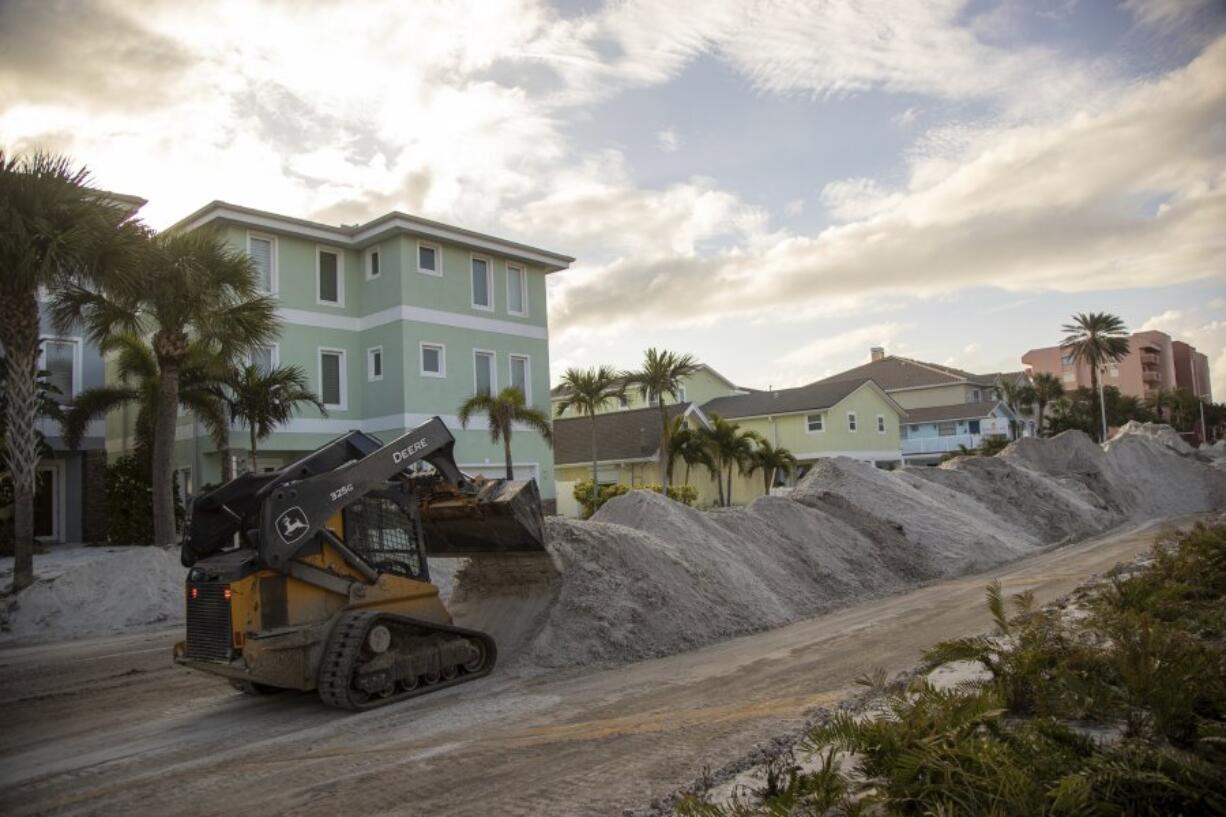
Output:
(939, 445)
(1150, 375)
(1150, 359)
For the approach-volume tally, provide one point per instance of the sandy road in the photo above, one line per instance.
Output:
(109, 726)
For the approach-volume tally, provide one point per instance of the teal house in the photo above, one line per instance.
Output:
(394, 321)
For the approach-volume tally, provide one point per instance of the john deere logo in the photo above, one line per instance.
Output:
(291, 524)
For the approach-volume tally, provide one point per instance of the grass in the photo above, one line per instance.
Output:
(1146, 666)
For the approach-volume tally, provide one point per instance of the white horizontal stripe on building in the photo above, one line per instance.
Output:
(332, 425)
(319, 320)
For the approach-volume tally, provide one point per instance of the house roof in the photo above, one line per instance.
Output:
(813, 397)
(958, 411)
(360, 235)
(894, 372)
(620, 435)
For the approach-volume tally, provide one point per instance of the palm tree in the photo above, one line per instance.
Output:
(687, 444)
(1047, 389)
(588, 391)
(193, 288)
(771, 460)
(730, 447)
(55, 228)
(263, 400)
(661, 378)
(1162, 401)
(502, 411)
(1018, 397)
(139, 381)
(1096, 339)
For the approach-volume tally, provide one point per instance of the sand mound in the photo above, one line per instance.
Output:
(648, 577)
(1159, 432)
(87, 591)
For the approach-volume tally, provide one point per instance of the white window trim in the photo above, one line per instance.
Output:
(77, 344)
(853, 420)
(58, 500)
(276, 355)
(274, 278)
(442, 358)
(343, 405)
(493, 369)
(371, 252)
(370, 364)
(821, 430)
(489, 281)
(340, 275)
(438, 259)
(881, 427)
(523, 290)
(527, 359)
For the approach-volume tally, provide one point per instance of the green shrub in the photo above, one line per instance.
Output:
(129, 503)
(685, 494)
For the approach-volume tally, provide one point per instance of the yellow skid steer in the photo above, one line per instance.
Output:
(316, 576)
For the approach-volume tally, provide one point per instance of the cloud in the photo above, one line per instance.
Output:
(668, 140)
(818, 358)
(1064, 206)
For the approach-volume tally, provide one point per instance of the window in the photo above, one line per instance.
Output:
(60, 361)
(429, 258)
(330, 277)
(483, 372)
(374, 363)
(976, 395)
(517, 291)
(332, 377)
(851, 421)
(520, 376)
(372, 263)
(815, 423)
(973, 426)
(1070, 377)
(483, 290)
(263, 252)
(264, 358)
(1114, 370)
(880, 423)
(1066, 360)
(947, 429)
(433, 360)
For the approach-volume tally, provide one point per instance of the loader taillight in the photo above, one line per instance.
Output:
(193, 593)
(226, 594)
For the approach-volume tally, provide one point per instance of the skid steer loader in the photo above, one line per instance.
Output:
(316, 576)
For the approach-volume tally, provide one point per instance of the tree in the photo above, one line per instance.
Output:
(1018, 397)
(771, 460)
(661, 378)
(502, 411)
(730, 447)
(263, 400)
(1096, 339)
(588, 391)
(192, 288)
(55, 229)
(687, 444)
(140, 385)
(1047, 389)
(1161, 401)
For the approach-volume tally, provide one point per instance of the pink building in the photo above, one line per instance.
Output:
(1153, 362)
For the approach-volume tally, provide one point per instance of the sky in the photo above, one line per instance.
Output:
(774, 187)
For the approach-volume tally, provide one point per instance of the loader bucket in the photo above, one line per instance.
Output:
(503, 517)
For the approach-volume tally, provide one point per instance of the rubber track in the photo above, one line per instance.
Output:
(345, 646)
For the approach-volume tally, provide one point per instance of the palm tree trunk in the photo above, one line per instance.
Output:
(595, 456)
(768, 476)
(1096, 402)
(663, 446)
(1038, 430)
(254, 470)
(506, 448)
(19, 335)
(719, 479)
(729, 505)
(164, 428)
(227, 462)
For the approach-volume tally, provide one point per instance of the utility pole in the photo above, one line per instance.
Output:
(1204, 432)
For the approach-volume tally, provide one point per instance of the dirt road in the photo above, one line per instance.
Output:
(109, 726)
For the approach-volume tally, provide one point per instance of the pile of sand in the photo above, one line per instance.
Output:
(83, 591)
(648, 577)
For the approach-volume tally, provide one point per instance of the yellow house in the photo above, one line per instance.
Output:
(840, 419)
(705, 384)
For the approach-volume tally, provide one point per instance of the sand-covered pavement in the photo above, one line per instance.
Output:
(109, 726)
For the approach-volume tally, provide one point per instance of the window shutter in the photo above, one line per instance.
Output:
(261, 254)
(331, 366)
(328, 285)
